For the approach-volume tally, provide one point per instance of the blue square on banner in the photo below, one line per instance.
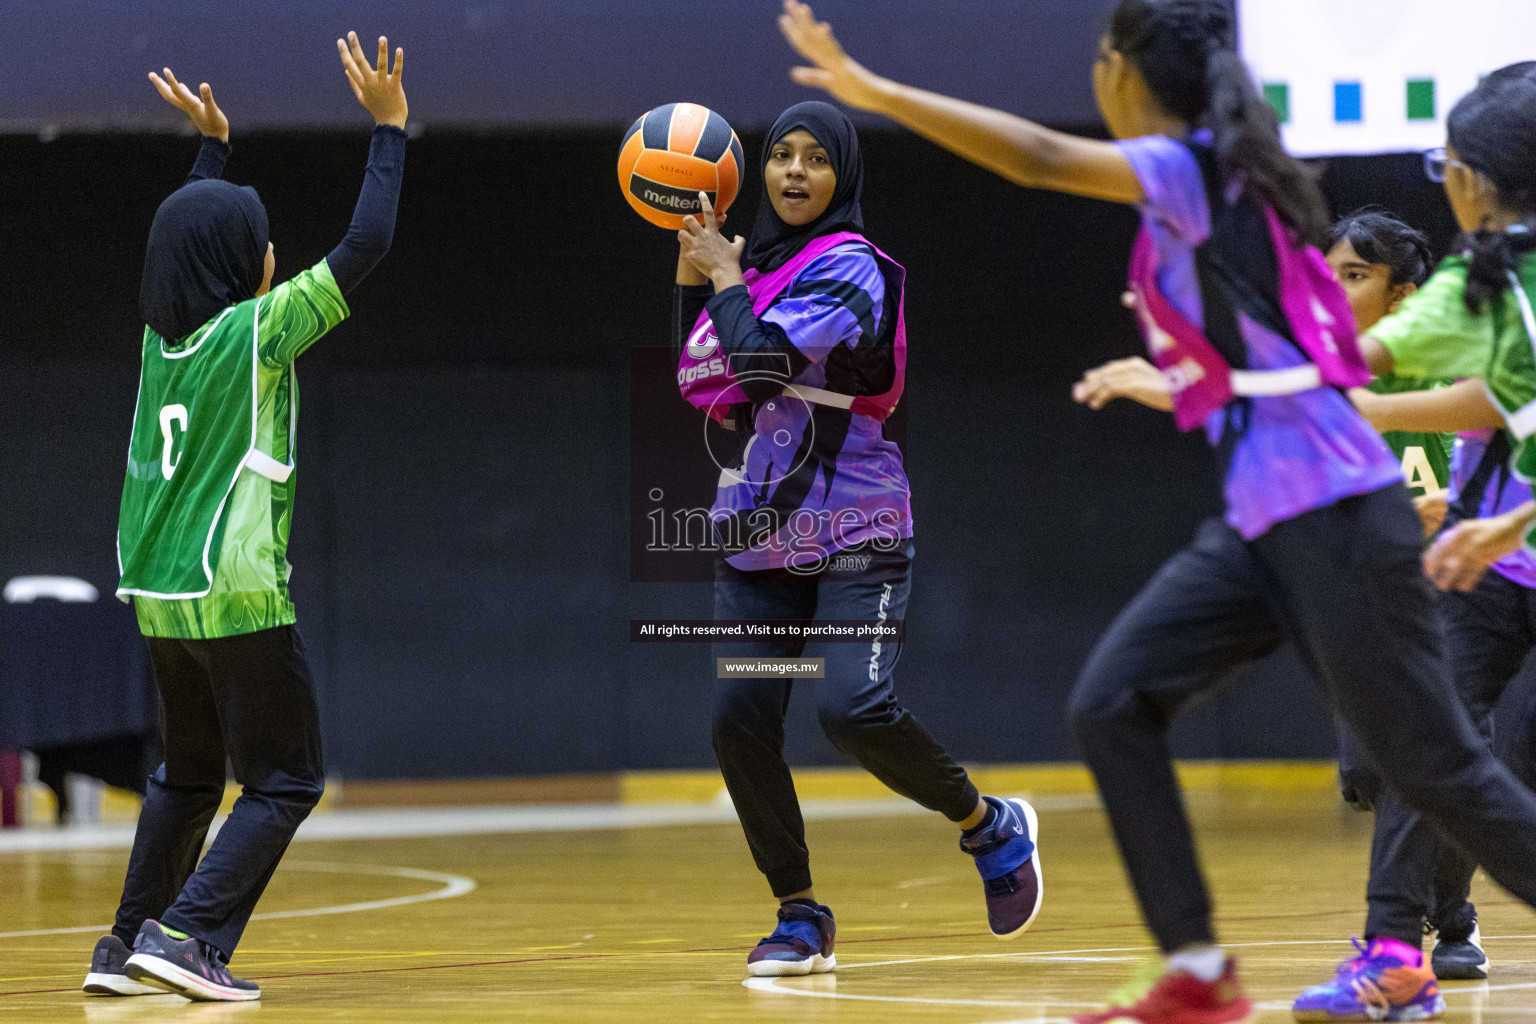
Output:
(1347, 102)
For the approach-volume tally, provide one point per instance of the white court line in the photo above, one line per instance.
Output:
(452, 885)
(405, 823)
(1478, 990)
(772, 985)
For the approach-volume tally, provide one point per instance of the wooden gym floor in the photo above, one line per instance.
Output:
(654, 924)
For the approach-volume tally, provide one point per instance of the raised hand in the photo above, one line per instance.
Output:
(835, 71)
(701, 244)
(205, 113)
(376, 87)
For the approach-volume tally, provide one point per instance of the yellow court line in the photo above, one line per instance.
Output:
(1042, 779)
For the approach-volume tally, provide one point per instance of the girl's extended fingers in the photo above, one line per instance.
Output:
(183, 97)
(349, 63)
(357, 88)
(815, 78)
(796, 24)
(356, 49)
(708, 210)
(163, 89)
(382, 67)
(394, 76)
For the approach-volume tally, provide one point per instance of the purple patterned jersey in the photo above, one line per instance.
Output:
(816, 479)
(1504, 493)
(1301, 451)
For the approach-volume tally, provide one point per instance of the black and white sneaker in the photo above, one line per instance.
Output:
(107, 977)
(185, 966)
(1458, 953)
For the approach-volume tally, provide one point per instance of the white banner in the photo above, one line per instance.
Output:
(1377, 76)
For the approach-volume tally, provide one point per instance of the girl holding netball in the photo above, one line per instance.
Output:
(203, 539)
(803, 353)
(1319, 543)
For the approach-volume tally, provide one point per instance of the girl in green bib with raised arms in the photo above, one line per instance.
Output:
(203, 540)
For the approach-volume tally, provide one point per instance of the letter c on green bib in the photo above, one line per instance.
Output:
(171, 414)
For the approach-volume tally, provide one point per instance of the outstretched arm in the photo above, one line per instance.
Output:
(1462, 406)
(298, 312)
(1023, 152)
(206, 116)
(382, 94)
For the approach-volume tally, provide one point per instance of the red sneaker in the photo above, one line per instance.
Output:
(1179, 997)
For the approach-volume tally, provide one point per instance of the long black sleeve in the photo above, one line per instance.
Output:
(373, 220)
(211, 157)
(761, 352)
(687, 303)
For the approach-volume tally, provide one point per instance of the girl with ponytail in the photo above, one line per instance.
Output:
(1485, 291)
(1320, 543)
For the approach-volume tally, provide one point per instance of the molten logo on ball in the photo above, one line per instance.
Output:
(673, 153)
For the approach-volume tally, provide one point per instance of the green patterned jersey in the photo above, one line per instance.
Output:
(1425, 458)
(1435, 334)
(1511, 367)
(1511, 372)
(208, 500)
(1432, 344)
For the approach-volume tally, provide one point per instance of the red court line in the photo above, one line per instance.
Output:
(729, 949)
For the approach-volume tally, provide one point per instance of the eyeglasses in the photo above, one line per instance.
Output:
(1435, 163)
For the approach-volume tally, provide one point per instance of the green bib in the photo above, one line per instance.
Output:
(194, 432)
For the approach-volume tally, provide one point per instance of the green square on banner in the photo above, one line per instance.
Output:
(1278, 95)
(1421, 99)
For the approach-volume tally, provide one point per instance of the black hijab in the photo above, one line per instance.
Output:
(773, 242)
(207, 250)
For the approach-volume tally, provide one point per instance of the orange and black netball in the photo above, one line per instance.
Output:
(673, 153)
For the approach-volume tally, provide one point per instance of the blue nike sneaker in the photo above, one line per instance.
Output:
(1009, 862)
(801, 944)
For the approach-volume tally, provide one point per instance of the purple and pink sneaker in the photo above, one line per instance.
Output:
(1387, 981)
(801, 944)
(1009, 863)
(178, 963)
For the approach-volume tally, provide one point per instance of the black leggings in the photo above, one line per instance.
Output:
(855, 702)
(1344, 584)
(1415, 872)
(248, 700)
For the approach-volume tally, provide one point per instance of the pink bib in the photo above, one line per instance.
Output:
(704, 373)
(1199, 379)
